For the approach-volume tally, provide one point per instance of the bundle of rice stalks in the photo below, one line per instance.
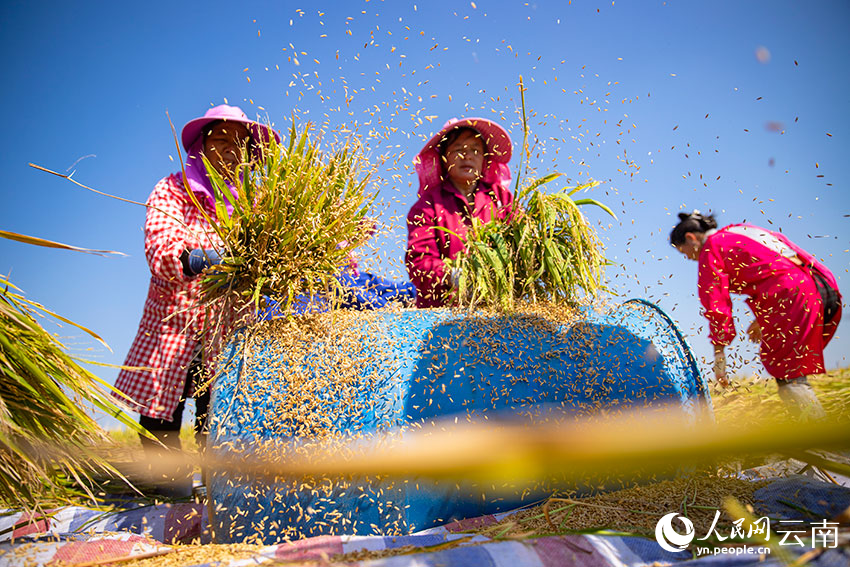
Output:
(299, 210)
(46, 436)
(546, 251)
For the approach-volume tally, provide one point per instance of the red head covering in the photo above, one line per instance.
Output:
(498, 151)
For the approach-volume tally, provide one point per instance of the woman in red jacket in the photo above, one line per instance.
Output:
(463, 174)
(793, 296)
(179, 245)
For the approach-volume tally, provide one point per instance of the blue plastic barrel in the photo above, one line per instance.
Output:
(435, 364)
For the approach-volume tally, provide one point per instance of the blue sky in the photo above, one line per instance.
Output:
(735, 107)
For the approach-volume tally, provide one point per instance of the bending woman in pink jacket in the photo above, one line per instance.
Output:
(463, 174)
(794, 298)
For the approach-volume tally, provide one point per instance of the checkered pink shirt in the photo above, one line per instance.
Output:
(171, 323)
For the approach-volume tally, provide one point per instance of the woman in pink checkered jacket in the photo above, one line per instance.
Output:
(167, 354)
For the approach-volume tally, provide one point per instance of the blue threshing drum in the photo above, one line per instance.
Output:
(436, 364)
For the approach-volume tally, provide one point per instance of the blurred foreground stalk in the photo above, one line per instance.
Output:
(489, 453)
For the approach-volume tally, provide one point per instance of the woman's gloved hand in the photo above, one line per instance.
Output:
(455, 275)
(197, 260)
(754, 332)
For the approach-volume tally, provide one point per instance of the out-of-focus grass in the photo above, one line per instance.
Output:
(754, 398)
(129, 440)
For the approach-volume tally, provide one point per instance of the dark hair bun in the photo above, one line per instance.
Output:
(691, 222)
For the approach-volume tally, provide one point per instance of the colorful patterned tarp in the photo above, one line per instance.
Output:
(79, 536)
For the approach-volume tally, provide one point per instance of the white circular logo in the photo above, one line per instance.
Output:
(668, 538)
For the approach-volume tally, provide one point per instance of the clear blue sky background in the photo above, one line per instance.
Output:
(666, 102)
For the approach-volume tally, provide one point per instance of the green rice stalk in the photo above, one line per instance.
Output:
(547, 252)
(47, 438)
(300, 210)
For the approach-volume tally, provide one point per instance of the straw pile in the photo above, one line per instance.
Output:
(633, 510)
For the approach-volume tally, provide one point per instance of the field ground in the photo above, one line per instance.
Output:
(750, 398)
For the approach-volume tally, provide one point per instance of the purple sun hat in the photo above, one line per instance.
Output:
(193, 129)
(195, 171)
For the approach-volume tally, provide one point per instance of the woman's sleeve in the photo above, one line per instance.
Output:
(714, 296)
(424, 264)
(164, 233)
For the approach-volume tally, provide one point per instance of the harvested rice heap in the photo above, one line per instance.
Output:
(633, 510)
(293, 386)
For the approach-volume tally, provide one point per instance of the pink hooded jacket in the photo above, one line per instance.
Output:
(442, 206)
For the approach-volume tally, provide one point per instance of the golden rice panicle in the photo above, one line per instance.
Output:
(546, 252)
(299, 210)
